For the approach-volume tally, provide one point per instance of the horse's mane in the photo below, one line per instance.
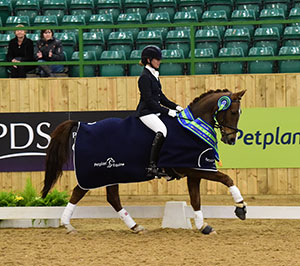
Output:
(203, 95)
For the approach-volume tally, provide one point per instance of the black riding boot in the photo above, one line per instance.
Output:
(156, 146)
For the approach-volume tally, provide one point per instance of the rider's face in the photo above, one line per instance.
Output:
(155, 63)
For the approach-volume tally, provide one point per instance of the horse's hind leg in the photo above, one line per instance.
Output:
(77, 194)
(113, 198)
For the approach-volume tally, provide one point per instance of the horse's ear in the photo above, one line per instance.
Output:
(238, 95)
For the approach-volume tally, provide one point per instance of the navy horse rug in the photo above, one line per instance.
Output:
(115, 150)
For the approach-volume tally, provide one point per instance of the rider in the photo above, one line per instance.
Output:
(150, 106)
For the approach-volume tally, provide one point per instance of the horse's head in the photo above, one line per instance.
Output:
(227, 115)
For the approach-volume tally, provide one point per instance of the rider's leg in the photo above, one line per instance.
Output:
(153, 122)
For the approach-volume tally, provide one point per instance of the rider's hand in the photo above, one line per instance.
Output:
(179, 108)
(172, 113)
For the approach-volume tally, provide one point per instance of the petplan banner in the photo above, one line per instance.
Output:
(269, 138)
(24, 137)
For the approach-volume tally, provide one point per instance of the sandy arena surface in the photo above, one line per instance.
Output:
(109, 242)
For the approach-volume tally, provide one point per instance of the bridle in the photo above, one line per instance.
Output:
(221, 125)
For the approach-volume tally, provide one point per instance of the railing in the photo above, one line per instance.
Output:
(192, 60)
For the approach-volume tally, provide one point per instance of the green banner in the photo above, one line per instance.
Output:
(269, 138)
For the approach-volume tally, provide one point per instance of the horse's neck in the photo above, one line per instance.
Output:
(204, 109)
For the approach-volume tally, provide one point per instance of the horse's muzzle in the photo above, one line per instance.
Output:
(228, 138)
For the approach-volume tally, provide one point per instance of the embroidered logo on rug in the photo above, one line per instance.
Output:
(110, 163)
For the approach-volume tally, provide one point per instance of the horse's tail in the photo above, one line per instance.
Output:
(57, 154)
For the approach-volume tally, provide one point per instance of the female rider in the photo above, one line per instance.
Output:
(152, 102)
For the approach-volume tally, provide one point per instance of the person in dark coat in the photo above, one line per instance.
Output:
(20, 49)
(152, 103)
(48, 48)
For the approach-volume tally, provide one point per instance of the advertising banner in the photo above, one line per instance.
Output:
(24, 137)
(269, 138)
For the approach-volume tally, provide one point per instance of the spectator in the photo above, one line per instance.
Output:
(20, 49)
(48, 48)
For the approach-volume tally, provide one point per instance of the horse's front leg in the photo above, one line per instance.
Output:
(77, 194)
(113, 198)
(240, 209)
(194, 191)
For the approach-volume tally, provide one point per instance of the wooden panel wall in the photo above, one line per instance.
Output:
(121, 93)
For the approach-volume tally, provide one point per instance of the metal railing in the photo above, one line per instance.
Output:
(192, 60)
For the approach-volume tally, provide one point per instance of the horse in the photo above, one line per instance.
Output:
(214, 109)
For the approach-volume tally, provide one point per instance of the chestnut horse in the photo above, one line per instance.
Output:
(219, 109)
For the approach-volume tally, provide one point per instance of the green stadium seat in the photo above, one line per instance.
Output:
(148, 37)
(15, 20)
(109, 6)
(57, 8)
(191, 5)
(88, 70)
(33, 36)
(3, 71)
(171, 69)
(69, 42)
(4, 40)
(169, 6)
(243, 15)
(105, 19)
(216, 5)
(158, 18)
(73, 20)
(231, 67)
(272, 14)
(47, 21)
(94, 41)
(135, 70)
(112, 70)
(82, 7)
(261, 66)
(237, 38)
(130, 18)
(30, 8)
(120, 41)
(179, 39)
(289, 66)
(291, 36)
(264, 37)
(254, 5)
(294, 14)
(203, 68)
(185, 16)
(215, 16)
(275, 4)
(208, 39)
(137, 6)
(5, 10)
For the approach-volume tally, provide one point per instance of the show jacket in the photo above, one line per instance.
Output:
(152, 97)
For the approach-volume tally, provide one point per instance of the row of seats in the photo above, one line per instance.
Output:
(201, 68)
(143, 7)
(175, 39)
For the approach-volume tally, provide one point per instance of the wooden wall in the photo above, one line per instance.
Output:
(121, 93)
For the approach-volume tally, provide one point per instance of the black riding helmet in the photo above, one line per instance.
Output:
(150, 52)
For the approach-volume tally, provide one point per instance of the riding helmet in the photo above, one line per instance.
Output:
(150, 52)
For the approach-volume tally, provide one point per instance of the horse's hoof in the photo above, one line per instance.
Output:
(70, 229)
(241, 210)
(138, 229)
(207, 230)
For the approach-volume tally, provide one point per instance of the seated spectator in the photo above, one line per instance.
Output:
(20, 49)
(48, 48)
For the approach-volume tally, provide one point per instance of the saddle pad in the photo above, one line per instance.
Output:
(115, 150)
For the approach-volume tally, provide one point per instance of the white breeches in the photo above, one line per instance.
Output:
(153, 122)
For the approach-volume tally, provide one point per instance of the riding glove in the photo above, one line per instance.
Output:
(172, 113)
(179, 108)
